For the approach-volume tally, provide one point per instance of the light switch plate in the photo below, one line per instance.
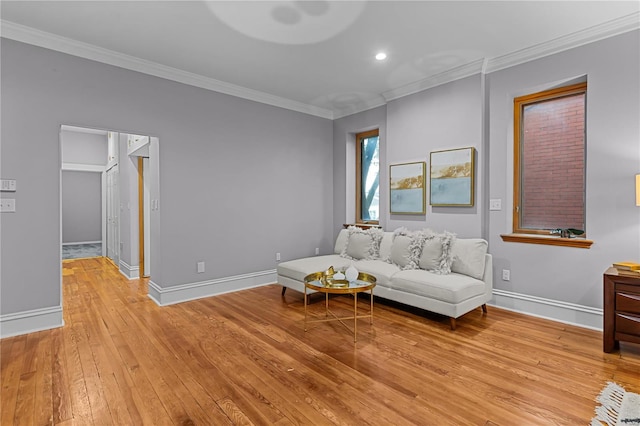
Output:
(7, 185)
(495, 204)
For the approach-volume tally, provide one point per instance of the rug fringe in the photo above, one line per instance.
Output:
(611, 399)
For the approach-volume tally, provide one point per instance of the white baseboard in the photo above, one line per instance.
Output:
(82, 242)
(30, 321)
(130, 272)
(202, 289)
(568, 313)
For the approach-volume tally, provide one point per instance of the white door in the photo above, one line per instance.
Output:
(113, 215)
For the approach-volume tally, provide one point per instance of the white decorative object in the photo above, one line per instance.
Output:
(351, 273)
(338, 276)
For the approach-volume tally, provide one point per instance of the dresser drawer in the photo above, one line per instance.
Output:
(627, 324)
(628, 302)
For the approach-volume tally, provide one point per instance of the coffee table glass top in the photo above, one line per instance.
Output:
(317, 281)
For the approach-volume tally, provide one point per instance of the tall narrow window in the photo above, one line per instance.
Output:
(367, 177)
(549, 181)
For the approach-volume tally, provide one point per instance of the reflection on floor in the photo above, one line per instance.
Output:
(79, 251)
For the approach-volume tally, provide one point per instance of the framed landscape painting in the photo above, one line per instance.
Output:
(407, 188)
(452, 177)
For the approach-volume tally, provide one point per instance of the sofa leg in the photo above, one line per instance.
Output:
(283, 290)
(484, 308)
(452, 322)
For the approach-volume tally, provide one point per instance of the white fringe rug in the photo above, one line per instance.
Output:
(619, 408)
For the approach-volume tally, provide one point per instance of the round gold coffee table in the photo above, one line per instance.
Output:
(318, 282)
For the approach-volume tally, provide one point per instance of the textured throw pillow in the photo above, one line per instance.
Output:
(362, 243)
(406, 249)
(436, 253)
(468, 256)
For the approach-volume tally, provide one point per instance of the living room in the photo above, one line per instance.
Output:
(242, 180)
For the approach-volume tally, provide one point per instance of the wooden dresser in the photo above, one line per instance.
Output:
(621, 309)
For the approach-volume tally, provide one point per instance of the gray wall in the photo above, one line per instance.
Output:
(239, 180)
(444, 117)
(81, 206)
(574, 275)
(478, 111)
(84, 148)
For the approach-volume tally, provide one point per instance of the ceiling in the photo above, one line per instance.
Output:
(315, 56)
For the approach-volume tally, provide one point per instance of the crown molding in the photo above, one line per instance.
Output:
(47, 40)
(355, 109)
(66, 45)
(453, 74)
(579, 38)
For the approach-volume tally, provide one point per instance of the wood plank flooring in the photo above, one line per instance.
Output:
(244, 358)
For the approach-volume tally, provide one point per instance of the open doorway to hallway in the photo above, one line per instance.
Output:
(109, 197)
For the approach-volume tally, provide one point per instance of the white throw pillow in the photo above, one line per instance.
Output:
(468, 257)
(436, 253)
(362, 244)
(431, 253)
(406, 248)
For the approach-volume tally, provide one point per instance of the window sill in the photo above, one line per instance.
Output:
(547, 240)
(362, 225)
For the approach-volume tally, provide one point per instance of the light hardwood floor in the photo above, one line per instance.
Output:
(244, 358)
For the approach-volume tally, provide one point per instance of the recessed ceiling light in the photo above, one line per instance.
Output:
(381, 56)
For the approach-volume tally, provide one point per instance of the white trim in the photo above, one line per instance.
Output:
(77, 129)
(51, 41)
(202, 289)
(130, 272)
(454, 74)
(82, 242)
(568, 313)
(77, 167)
(30, 321)
(579, 38)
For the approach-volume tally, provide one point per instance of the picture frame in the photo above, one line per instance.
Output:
(452, 177)
(407, 188)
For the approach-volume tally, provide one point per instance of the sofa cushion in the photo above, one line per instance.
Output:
(450, 288)
(379, 269)
(362, 244)
(436, 253)
(299, 268)
(468, 257)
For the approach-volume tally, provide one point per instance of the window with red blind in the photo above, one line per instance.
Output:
(549, 178)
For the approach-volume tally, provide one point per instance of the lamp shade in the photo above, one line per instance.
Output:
(638, 189)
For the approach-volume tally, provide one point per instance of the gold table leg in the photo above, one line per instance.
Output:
(355, 317)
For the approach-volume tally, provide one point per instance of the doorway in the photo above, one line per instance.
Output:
(128, 175)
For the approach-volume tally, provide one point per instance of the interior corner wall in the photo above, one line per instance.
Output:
(239, 180)
(445, 117)
(567, 275)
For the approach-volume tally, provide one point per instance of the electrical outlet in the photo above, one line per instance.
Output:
(200, 267)
(506, 275)
(317, 251)
(277, 257)
(8, 205)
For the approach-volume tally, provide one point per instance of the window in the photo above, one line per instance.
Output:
(367, 177)
(549, 166)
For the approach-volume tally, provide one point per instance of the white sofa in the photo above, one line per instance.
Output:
(436, 272)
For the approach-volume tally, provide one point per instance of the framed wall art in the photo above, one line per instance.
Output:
(407, 188)
(452, 177)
